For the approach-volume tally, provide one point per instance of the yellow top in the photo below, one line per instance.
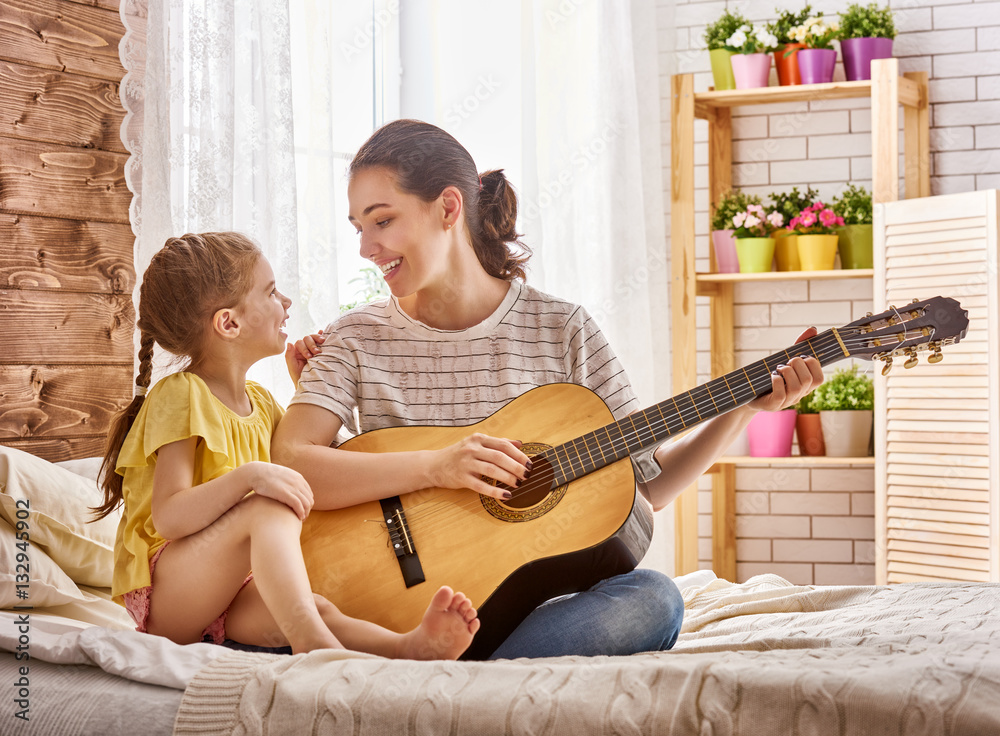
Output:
(178, 407)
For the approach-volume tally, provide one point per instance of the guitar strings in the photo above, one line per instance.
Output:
(689, 418)
(819, 344)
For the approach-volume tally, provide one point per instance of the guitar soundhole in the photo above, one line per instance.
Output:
(535, 496)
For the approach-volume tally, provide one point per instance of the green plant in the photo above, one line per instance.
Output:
(854, 205)
(806, 404)
(790, 204)
(816, 33)
(787, 20)
(732, 203)
(867, 21)
(846, 389)
(749, 39)
(717, 33)
(372, 287)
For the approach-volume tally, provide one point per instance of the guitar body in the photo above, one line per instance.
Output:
(508, 557)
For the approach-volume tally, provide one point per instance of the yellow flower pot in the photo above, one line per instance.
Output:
(755, 254)
(786, 250)
(817, 252)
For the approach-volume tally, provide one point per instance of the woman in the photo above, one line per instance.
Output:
(461, 336)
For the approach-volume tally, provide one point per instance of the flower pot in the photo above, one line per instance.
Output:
(722, 69)
(858, 54)
(816, 65)
(724, 245)
(786, 250)
(809, 432)
(817, 252)
(770, 433)
(755, 254)
(855, 245)
(787, 64)
(847, 433)
(751, 70)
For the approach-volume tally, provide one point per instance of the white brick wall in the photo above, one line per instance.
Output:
(817, 525)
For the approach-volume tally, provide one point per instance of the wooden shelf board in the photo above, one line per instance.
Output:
(817, 461)
(837, 273)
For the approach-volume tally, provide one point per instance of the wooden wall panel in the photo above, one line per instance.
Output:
(60, 401)
(56, 34)
(60, 181)
(69, 255)
(43, 105)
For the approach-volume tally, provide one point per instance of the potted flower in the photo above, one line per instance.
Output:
(785, 57)
(754, 231)
(866, 33)
(808, 427)
(751, 60)
(817, 58)
(715, 39)
(786, 242)
(769, 433)
(723, 242)
(854, 207)
(845, 402)
(816, 227)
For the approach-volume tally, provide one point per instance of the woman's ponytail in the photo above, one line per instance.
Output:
(497, 232)
(111, 482)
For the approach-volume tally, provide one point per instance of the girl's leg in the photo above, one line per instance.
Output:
(197, 577)
(446, 631)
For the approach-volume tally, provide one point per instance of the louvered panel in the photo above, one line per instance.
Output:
(936, 426)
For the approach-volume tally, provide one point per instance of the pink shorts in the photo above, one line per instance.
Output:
(137, 605)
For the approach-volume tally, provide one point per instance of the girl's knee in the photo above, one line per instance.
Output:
(661, 605)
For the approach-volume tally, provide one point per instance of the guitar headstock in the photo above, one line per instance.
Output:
(921, 326)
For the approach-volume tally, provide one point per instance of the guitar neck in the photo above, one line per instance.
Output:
(652, 426)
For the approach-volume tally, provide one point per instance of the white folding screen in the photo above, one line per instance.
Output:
(937, 426)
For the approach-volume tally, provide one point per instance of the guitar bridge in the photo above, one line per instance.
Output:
(401, 541)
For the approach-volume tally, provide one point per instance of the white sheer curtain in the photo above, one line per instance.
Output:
(209, 124)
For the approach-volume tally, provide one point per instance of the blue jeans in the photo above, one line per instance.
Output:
(640, 611)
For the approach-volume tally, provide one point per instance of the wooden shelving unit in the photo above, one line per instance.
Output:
(888, 91)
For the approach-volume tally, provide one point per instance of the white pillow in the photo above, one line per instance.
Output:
(48, 585)
(59, 504)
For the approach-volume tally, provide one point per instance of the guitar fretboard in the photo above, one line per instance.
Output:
(652, 426)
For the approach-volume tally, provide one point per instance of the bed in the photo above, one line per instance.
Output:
(764, 656)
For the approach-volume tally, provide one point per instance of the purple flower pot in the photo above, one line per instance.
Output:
(816, 65)
(858, 54)
(725, 251)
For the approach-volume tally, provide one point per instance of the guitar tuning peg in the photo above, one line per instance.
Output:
(914, 300)
(911, 362)
(869, 314)
(935, 357)
(888, 366)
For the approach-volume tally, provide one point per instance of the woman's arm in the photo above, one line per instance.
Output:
(685, 460)
(341, 478)
(180, 509)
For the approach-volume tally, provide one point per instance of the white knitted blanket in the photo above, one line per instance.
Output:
(764, 657)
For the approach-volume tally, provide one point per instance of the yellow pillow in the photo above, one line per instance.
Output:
(47, 584)
(58, 513)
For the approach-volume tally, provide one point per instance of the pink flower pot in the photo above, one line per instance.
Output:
(724, 244)
(751, 70)
(770, 433)
(816, 65)
(858, 54)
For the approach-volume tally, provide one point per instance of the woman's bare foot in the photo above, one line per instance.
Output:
(446, 631)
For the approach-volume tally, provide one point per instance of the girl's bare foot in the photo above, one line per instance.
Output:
(446, 631)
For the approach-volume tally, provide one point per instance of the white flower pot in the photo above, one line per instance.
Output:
(847, 433)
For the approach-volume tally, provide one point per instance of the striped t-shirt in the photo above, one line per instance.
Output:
(396, 371)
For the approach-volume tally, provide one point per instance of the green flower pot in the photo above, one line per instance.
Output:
(755, 254)
(855, 245)
(722, 69)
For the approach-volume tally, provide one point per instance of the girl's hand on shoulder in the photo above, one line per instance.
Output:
(282, 484)
(793, 381)
(299, 353)
(464, 464)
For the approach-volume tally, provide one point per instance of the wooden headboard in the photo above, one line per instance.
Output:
(66, 273)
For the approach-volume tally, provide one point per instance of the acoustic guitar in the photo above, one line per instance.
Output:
(578, 519)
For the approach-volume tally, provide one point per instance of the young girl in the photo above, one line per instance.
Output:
(203, 506)
(461, 336)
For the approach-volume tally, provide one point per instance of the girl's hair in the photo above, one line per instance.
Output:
(187, 281)
(425, 160)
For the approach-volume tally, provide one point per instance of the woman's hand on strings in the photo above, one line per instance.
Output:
(791, 382)
(464, 465)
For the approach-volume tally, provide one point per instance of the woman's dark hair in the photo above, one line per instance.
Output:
(186, 282)
(425, 160)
